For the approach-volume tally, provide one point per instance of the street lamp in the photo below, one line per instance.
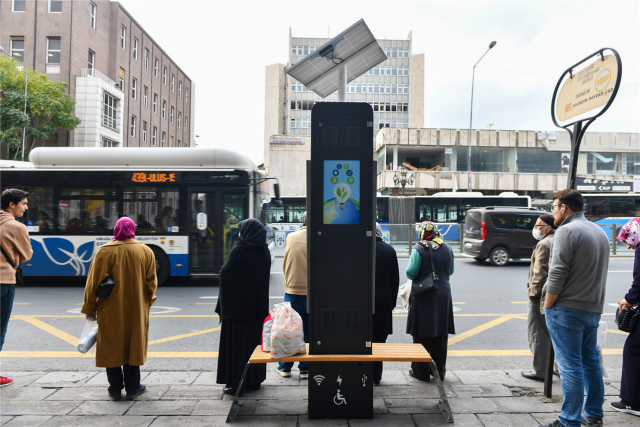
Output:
(471, 114)
(403, 179)
(26, 80)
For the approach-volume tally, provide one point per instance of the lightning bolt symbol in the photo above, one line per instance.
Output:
(339, 380)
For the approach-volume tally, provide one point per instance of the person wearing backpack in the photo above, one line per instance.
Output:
(16, 249)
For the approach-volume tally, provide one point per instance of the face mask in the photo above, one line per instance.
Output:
(537, 234)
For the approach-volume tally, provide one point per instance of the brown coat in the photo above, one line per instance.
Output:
(14, 239)
(123, 317)
(539, 269)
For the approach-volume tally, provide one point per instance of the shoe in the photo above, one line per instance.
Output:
(556, 423)
(624, 406)
(530, 375)
(286, 374)
(115, 396)
(591, 421)
(133, 394)
(304, 374)
(232, 391)
(4, 381)
(412, 375)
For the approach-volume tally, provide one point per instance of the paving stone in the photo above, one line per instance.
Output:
(25, 393)
(276, 392)
(546, 419)
(274, 378)
(212, 407)
(101, 379)
(484, 377)
(194, 421)
(411, 392)
(207, 378)
(163, 407)
(609, 390)
(103, 408)
(606, 407)
(64, 379)
(193, 393)
(385, 421)
(620, 419)
(412, 406)
(22, 379)
(281, 407)
(450, 378)
(508, 420)
(304, 421)
(437, 420)
(479, 390)
(379, 407)
(171, 378)
(516, 375)
(23, 407)
(268, 421)
(393, 378)
(469, 405)
(522, 404)
(614, 385)
(27, 420)
(5, 419)
(95, 393)
(103, 421)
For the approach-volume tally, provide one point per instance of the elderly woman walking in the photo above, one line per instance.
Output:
(243, 304)
(630, 385)
(430, 318)
(123, 317)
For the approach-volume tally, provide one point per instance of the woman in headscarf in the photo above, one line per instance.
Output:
(430, 318)
(243, 304)
(630, 385)
(123, 316)
(387, 283)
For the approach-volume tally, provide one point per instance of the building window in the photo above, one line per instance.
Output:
(163, 141)
(92, 14)
(133, 126)
(155, 102)
(19, 6)
(17, 48)
(179, 118)
(186, 95)
(91, 62)
(144, 131)
(134, 88)
(146, 58)
(53, 50)
(171, 115)
(155, 67)
(173, 81)
(186, 123)
(171, 141)
(135, 48)
(179, 144)
(164, 76)
(154, 136)
(121, 79)
(55, 6)
(123, 37)
(164, 109)
(145, 95)
(109, 143)
(180, 89)
(109, 111)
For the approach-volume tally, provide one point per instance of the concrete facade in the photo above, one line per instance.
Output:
(78, 36)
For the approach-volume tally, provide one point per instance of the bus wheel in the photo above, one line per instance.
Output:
(162, 265)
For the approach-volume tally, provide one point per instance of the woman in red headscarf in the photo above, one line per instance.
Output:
(123, 317)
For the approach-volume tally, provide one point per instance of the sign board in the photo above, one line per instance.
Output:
(341, 192)
(201, 221)
(588, 89)
(286, 140)
(63, 204)
(636, 183)
(603, 186)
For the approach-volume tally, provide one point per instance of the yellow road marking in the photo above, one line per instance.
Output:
(478, 329)
(21, 303)
(53, 331)
(614, 331)
(150, 354)
(177, 337)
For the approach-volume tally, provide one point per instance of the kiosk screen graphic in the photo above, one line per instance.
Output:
(341, 192)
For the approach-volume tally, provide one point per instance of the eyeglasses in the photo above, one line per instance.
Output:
(557, 206)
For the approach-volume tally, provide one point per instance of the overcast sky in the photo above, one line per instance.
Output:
(224, 47)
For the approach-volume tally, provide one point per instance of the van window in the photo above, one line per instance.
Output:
(525, 222)
(502, 221)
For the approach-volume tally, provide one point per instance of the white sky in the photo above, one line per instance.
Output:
(224, 47)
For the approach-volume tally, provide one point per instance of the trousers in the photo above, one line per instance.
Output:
(539, 338)
(127, 377)
(299, 304)
(437, 348)
(7, 293)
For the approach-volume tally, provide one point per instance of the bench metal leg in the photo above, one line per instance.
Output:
(443, 403)
(235, 406)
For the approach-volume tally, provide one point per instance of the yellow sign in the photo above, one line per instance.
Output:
(588, 89)
(153, 177)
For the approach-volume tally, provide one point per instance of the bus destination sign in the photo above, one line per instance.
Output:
(153, 177)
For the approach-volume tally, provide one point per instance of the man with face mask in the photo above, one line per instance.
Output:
(539, 339)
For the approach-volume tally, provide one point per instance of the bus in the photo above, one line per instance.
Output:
(186, 204)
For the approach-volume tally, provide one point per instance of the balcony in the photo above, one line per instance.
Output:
(92, 72)
(53, 68)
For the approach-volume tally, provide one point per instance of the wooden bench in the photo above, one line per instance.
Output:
(387, 352)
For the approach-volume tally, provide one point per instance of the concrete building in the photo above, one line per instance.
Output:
(128, 91)
(395, 90)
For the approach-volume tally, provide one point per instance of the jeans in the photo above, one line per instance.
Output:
(299, 304)
(7, 293)
(574, 336)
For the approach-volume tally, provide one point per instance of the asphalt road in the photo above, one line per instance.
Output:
(490, 304)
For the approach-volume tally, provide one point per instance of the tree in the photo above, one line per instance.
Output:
(48, 106)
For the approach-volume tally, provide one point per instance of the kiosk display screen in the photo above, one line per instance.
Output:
(341, 192)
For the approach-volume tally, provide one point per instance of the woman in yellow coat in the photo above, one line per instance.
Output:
(123, 317)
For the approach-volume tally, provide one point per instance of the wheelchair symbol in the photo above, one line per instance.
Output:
(339, 399)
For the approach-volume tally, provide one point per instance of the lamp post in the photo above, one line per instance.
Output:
(471, 114)
(403, 179)
(26, 81)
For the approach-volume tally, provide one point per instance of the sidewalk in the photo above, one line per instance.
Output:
(192, 399)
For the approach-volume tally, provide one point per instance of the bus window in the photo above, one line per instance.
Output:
(154, 210)
(294, 210)
(87, 211)
(233, 212)
(41, 215)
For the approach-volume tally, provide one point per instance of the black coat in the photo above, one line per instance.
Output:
(387, 283)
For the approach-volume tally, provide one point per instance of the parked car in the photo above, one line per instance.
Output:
(499, 234)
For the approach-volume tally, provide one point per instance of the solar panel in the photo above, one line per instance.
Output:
(356, 48)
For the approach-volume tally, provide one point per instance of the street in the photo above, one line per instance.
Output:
(490, 319)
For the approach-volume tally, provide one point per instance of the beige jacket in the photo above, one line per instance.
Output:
(295, 263)
(15, 241)
(539, 268)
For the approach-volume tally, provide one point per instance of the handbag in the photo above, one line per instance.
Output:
(427, 285)
(18, 269)
(627, 319)
(105, 287)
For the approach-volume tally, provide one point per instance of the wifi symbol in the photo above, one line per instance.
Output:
(318, 379)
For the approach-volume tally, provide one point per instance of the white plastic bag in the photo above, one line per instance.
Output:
(89, 336)
(287, 336)
(404, 292)
(266, 328)
(602, 339)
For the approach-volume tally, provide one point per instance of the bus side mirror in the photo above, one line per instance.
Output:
(276, 190)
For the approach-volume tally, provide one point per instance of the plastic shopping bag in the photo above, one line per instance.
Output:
(404, 292)
(601, 340)
(266, 328)
(287, 336)
(89, 336)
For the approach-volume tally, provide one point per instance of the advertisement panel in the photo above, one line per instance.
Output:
(341, 192)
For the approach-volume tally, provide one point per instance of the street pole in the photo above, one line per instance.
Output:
(342, 84)
(473, 76)
(26, 82)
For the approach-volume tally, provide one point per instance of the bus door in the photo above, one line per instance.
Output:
(202, 234)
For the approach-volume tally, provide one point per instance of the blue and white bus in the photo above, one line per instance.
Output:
(186, 204)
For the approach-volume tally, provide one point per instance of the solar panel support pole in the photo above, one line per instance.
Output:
(342, 84)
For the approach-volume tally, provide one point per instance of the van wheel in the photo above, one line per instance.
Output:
(162, 265)
(480, 259)
(499, 257)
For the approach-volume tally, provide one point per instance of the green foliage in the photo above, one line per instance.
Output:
(48, 106)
